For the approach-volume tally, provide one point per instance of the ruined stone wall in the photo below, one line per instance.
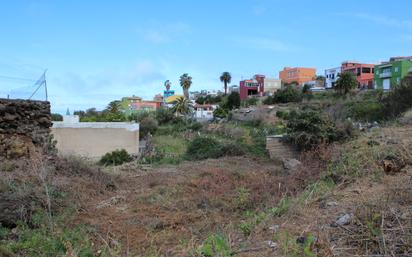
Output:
(278, 150)
(24, 124)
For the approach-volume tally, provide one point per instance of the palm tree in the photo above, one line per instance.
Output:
(182, 106)
(185, 83)
(113, 107)
(346, 82)
(226, 78)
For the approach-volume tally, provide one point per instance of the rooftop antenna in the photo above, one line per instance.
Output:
(41, 82)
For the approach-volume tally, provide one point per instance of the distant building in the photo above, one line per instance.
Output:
(298, 75)
(252, 87)
(331, 76)
(233, 88)
(270, 86)
(136, 104)
(390, 74)
(204, 111)
(364, 72)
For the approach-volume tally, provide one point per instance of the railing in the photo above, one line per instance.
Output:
(385, 74)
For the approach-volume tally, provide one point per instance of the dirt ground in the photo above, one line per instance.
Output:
(170, 210)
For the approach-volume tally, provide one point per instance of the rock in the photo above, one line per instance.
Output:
(274, 228)
(291, 164)
(343, 220)
(272, 244)
(331, 204)
(110, 202)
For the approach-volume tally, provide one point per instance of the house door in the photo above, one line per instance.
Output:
(386, 84)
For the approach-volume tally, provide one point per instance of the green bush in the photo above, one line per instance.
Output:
(306, 129)
(202, 148)
(216, 245)
(366, 110)
(117, 157)
(249, 102)
(233, 101)
(220, 112)
(285, 95)
(56, 117)
(147, 125)
(399, 100)
(164, 116)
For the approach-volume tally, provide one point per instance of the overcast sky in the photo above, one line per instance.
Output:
(98, 51)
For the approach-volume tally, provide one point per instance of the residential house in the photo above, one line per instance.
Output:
(298, 75)
(331, 76)
(364, 72)
(390, 74)
(136, 104)
(204, 112)
(252, 87)
(233, 88)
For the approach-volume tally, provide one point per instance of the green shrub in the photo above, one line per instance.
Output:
(195, 126)
(285, 95)
(220, 112)
(206, 147)
(147, 125)
(164, 115)
(249, 102)
(233, 101)
(306, 129)
(366, 110)
(203, 148)
(399, 100)
(281, 208)
(56, 117)
(117, 157)
(216, 245)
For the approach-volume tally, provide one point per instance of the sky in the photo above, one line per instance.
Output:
(99, 51)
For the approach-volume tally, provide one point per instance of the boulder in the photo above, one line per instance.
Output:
(291, 164)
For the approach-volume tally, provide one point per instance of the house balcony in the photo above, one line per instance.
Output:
(385, 75)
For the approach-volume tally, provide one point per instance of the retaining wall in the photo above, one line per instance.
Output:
(278, 150)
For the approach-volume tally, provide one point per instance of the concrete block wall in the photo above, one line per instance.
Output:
(94, 139)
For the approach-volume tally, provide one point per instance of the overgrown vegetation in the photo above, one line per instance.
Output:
(285, 95)
(307, 129)
(116, 157)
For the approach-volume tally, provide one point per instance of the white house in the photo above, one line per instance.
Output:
(204, 111)
(331, 76)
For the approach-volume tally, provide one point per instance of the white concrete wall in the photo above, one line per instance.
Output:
(331, 76)
(272, 85)
(94, 139)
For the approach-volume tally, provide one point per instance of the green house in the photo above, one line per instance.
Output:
(390, 74)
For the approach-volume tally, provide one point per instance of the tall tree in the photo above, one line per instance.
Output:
(185, 83)
(346, 82)
(182, 106)
(226, 78)
(113, 107)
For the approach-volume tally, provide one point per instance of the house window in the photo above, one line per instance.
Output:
(366, 70)
(396, 69)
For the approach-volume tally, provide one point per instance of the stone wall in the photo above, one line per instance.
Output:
(278, 150)
(24, 124)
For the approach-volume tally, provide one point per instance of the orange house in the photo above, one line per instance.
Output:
(364, 72)
(299, 75)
